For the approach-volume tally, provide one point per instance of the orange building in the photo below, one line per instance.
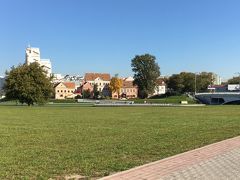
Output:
(84, 87)
(128, 90)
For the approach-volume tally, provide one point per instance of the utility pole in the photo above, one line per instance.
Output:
(195, 83)
(196, 73)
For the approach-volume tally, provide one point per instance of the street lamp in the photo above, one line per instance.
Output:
(196, 73)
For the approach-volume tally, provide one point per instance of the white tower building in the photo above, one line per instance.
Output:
(33, 55)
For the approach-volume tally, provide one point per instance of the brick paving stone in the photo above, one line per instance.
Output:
(216, 161)
(222, 166)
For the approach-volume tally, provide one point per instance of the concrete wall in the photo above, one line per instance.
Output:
(218, 98)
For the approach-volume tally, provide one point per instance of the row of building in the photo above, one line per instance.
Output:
(68, 89)
(72, 86)
(68, 86)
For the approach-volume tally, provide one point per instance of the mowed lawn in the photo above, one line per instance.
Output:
(50, 142)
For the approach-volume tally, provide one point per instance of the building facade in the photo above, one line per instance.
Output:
(33, 55)
(65, 90)
(160, 88)
(85, 87)
(128, 89)
(102, 80)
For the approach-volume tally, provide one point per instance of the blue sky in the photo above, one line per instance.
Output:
(104, 35)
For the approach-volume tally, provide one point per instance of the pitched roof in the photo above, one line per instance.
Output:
(55, 85)
(160, 82)
(93, 76)
(69, 85)
(128, 84)
(128, 79)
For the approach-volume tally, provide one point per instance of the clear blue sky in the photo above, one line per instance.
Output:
(104, 35)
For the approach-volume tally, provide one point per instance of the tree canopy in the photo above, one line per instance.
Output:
(115, 85)
(234, 80)
(146, 71)
(86, 93)
(185, 82)
(96, 92)
(28, 84)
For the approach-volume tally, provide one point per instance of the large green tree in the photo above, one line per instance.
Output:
(234, 80)
(146, 71)
(186, 82)
(204, 79)
(28, 84)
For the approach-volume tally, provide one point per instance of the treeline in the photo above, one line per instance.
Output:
(234, 80)
(189, 82)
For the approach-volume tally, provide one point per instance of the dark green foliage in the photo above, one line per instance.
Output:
(234, 80)
(96, 93)
(146, 71)
(78, 97)
(204, 79)
(185, 82)
(28, 84)
(86, 94)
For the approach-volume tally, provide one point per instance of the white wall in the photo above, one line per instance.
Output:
(160, 90)
(33, 55)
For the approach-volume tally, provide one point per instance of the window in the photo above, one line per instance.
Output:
(68, 91)
(61, 90)
(57, 90)
(65, 91)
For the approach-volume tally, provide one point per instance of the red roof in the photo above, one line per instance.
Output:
(93, 76)
(69, 85)
(160, 82)
(128, 84)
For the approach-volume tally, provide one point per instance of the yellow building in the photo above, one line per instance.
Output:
(65, 90)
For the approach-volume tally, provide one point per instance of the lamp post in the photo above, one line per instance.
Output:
(196, 73)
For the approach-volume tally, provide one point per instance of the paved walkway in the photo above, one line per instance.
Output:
(218, 161)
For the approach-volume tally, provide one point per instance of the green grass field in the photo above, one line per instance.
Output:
(50, 142)
(167, 100)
